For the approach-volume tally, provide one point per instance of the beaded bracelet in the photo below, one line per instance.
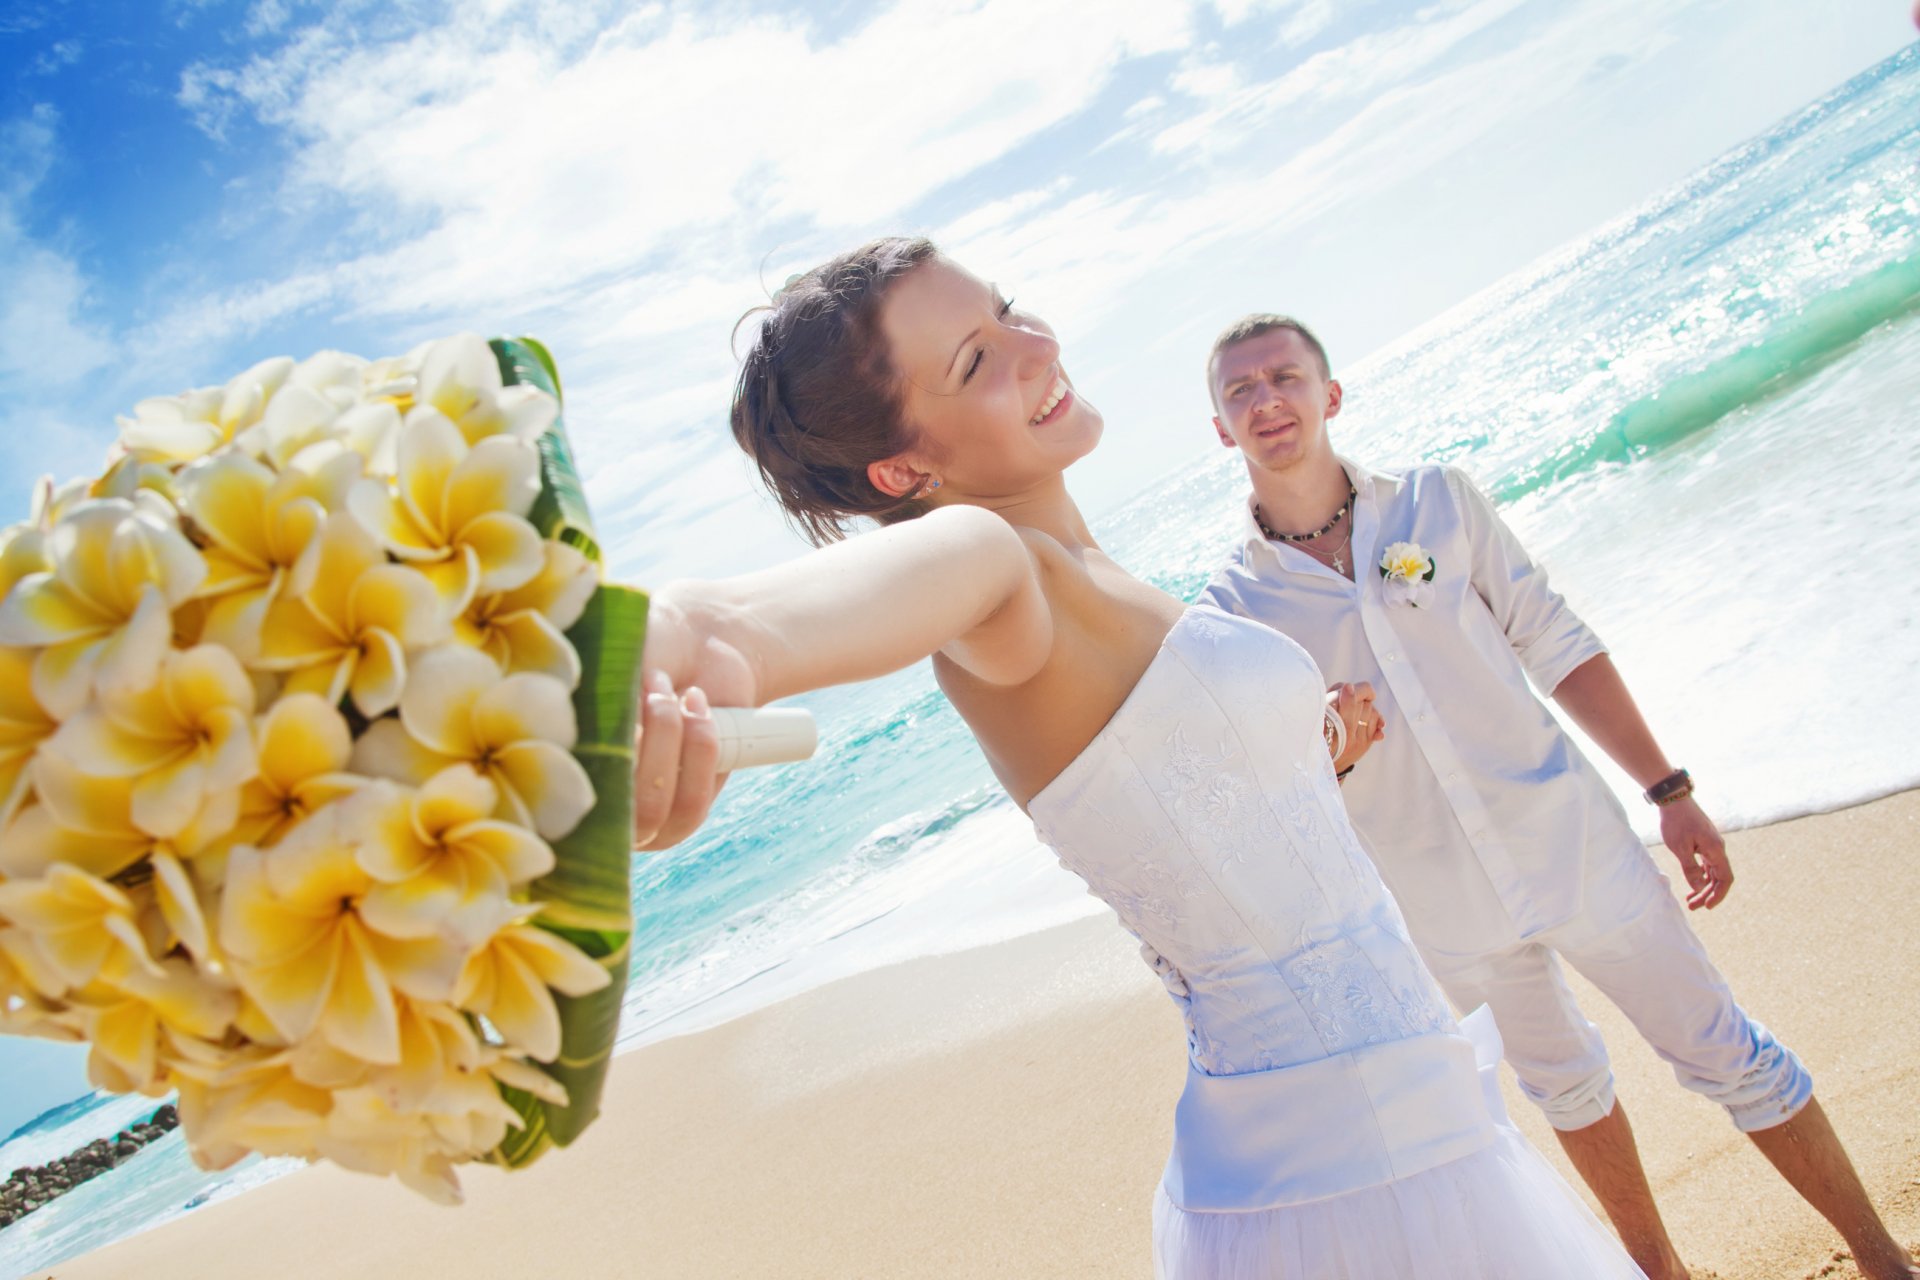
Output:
(1672, 789)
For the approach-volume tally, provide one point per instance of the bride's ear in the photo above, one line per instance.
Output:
(896, 477)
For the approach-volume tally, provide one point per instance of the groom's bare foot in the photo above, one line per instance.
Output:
(1897, 1265)
(1894, 1263)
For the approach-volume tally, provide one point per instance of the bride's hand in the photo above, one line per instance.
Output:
(685, 674)
(1353, 703)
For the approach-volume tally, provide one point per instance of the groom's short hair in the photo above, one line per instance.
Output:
(1252, 326)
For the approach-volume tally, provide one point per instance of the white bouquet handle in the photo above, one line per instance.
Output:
(764, 735)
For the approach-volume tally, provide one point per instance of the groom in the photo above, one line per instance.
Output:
(1505, 848)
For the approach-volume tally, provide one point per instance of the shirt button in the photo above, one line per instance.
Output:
(1422, 717)
(1393, 657)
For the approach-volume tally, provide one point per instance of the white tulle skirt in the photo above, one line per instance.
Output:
(1501, 1213)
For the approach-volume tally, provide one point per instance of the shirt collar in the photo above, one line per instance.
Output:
(1257, 544)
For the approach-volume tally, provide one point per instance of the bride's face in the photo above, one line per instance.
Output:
(993, 411)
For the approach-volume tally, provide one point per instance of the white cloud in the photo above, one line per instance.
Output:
(1304, 18)
(1349, 73)
(47, 341)
(666, 137)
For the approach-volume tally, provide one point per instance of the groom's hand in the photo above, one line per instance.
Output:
(1690, 835)
(1353, 703)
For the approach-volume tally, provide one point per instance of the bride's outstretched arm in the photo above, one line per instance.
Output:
(958, 581)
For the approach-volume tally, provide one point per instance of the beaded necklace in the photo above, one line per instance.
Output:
(1260, 519)
(1337, 556)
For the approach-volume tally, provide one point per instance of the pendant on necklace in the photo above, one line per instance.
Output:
(1339, 565)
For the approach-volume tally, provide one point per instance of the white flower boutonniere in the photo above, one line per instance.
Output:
(1408, 571)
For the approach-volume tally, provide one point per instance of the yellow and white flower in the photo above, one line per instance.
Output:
(86, 823)
(24, 970)
(457, 511)
(180, 428)
(525, 629)
(516, 730)
(347, 620)
(186, 742)
(257, 524)
(304, 746)
(291, 924)
(507, 982)
(24, 725)
(101, 614)
(1408, 573)
(233, 1105)
(85, 929)
(443, 862)
(135, 1019)
(440, 1105)
(460, 378)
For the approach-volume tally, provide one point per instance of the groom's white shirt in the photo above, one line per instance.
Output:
(1482, 814)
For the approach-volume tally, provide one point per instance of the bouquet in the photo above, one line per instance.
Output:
(316, 739)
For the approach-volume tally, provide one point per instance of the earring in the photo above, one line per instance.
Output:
(930, 487)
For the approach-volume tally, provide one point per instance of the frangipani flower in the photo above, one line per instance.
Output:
(507, 980)
(101, 612)
(460, 378)
(258, 523)
(23, 727)
(457, 511)
(304, 745)
(23, 550)
(301, 418)
(132, 1020)
(26, 976)
(246, 1102)
(291, 924)
(444, 863)
(84, 928)
(524, 629)
(186, 741)
(442, 1104)
(517, 730)
(87, 822)
(347, 620)
(127, 478)
(184, 427)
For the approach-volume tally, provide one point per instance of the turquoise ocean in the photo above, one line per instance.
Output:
(1704, 417)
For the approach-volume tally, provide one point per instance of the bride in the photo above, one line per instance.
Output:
(1336, 1122)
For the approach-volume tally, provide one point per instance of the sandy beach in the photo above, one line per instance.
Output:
(1006, 1111)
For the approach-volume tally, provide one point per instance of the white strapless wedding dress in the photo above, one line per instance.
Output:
(1337, 1124)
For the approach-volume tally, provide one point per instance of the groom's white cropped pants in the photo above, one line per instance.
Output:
(1631, 939)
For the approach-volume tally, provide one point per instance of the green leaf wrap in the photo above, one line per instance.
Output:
(561, 509)
(587, 897)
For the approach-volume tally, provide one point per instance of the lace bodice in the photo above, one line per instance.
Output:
(1207, 815)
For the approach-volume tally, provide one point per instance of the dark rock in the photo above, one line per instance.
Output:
(126, 1147)
(167, 1117)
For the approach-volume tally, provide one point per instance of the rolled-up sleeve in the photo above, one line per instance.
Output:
(1546, 634)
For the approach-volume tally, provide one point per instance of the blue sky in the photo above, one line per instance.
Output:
(187, 186)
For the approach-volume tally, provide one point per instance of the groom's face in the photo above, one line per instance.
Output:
(1273, 399)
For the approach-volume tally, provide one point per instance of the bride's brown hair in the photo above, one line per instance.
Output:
(818, 397)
